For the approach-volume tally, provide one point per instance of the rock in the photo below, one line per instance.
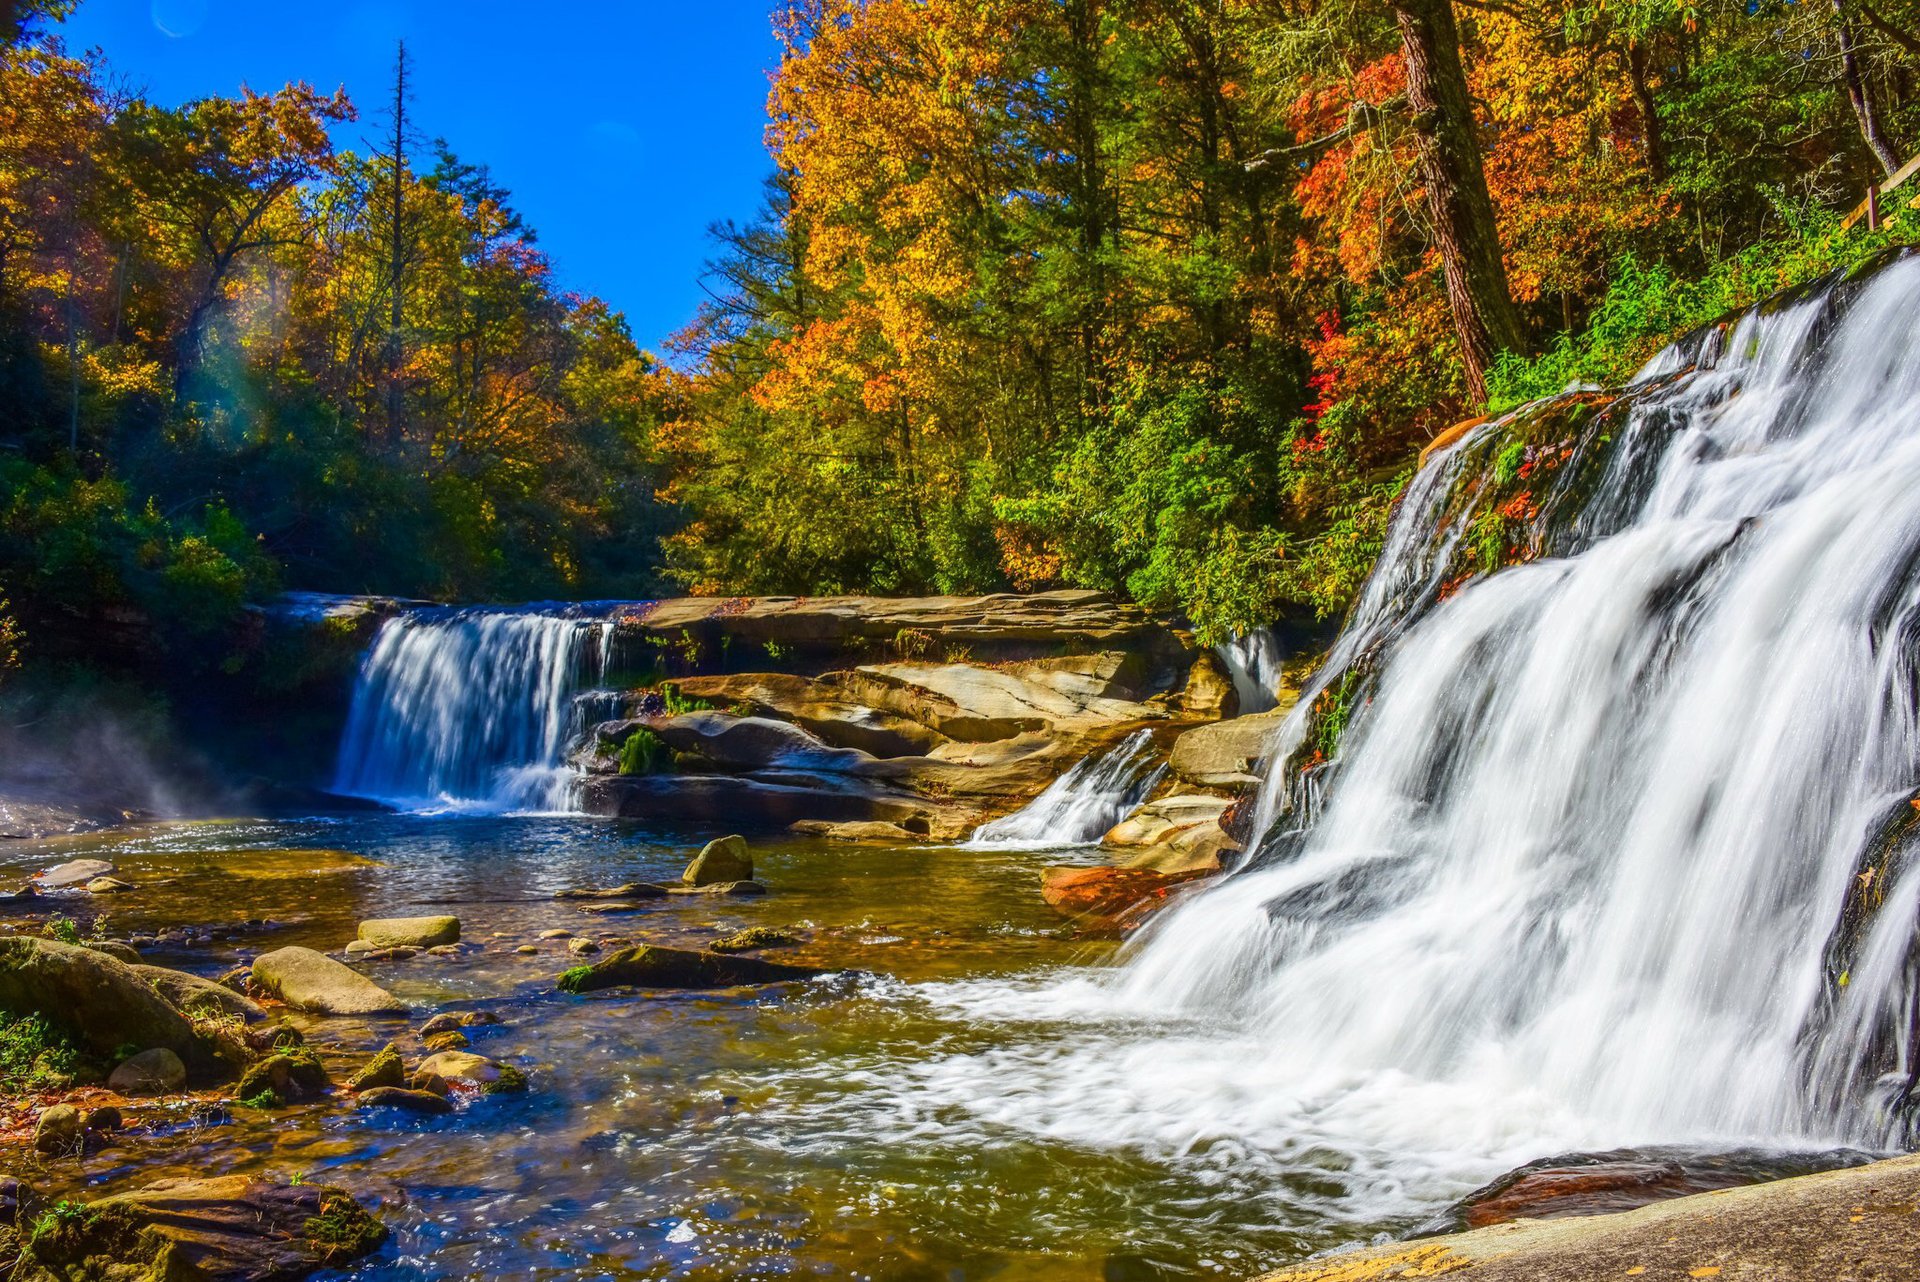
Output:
(772, 800)
(384, 1069)
(1856, 1225)
(58, 1129)
(153, 1072)
(741, 889)
(720, 860)
(866, 831)
(291, 1074)
(402, 1098)
(632, 890)
(316, 983)
(754, 937)
(444, 950)
(974, 704)
(432, 1083)
(449, 1020)
(410, 932)
(401, 953)
(1226, 754)
(355, 947)
(230, 1229)
(527, 950)
(104, 1120)
(108, 886)
(193, 996)
(650, 966)
(76, 872)
(1209, 694)
(450, 1040)
(105, 1004)
(821, 708)
(1107, 900)
(489, 1076)
(556, 934)
(1174, 834)
(748, 743)
(115, 949)
(582, 947)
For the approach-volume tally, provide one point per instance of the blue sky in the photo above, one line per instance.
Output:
(623, 129)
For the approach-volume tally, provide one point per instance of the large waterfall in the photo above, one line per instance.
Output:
(472, 709)
(1595, 863)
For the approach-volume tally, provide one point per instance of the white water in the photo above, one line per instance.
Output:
(1080, 806)
(1253, 662)
(471, 710)
(1571, 881)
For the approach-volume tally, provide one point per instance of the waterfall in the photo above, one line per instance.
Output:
(472, 709)
(1590, 839)
(1080, 806)
(1252, 661)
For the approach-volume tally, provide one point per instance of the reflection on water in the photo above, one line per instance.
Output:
(868, 1125)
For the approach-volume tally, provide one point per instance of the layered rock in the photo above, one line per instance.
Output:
(1174, 834)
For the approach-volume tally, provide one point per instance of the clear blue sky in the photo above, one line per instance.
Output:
(622, 129)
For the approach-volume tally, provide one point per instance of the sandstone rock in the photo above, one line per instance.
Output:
(230, 1229)
(291, 1074)
(313, 982)
(115, 949)
(410, 932)
(582, 947)
(556, 934)
(384, 1069)
(1209, 694)
(864, 832)
(1174, 834)
(738, 889)
(753, 743)
(723, 859)
(979, 704)
(402, 1098)
(1227, 754)
(773, 799)
(194, 996)
(58, 1129)
(103, 1003)
(451, 1039)
(821, 708)
(153, 1072)
(632, 890)
(527, 950)
(753, 937)
(357, 947)
(108, 886)
(650, 966)
(75, 872)
(489, 1076)
(1107, 900)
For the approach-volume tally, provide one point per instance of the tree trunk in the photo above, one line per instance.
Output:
(1860, 94)
(1643, 100)
(1463, 228)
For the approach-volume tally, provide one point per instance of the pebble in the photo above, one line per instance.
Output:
(526, 950)
(444, 950)
(556, 934)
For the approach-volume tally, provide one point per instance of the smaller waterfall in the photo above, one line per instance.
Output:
(1253, 661)
(472, 709)
(1080, 806)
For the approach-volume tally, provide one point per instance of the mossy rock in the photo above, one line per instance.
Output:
(291, 1074)
(384, 1069)
(650, 966)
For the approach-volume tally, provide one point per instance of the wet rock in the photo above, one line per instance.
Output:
(650, 966)
(744, 941)
(449, 1020)
(1226, 754)
(866, 831)
(610, 907)
(490, 1077)
(292, 1074)
(402, 1098)
(445, 950)
(741, 889)
(193, 996)
(104, 1120)
(357, 947)
(1174, 834)
(77, 872)
(231, 1229)
(313, 982)
(410, 932)
(103, 1003)
(632, 890)
(527, 950)
(821, 708)
(153, 1072)
(58, 1129)
(114, 949)
(721, 860)
(400, 953)
(432, 1083)
(450, 1040)
(556, 934)
(384, 1069)
(1209, 694)
(108, 886)
(582, 947)
(1107, 900)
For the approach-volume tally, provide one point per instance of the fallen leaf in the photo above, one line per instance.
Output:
(1705, 1271)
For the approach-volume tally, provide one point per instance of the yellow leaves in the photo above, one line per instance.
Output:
(1705, 1271)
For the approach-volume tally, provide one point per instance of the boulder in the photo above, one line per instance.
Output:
(754, 937)
(1106, 900)
(449, 1020)
(108, 886)
(154, 1072)
(632, 890)
(868, 832)
(771, 799)
(402, 1098)
(410, 932)
(975, 704)
(582, 947)
(1226, 754)
(316, 983)
(115, 949)
(450, 1040)
(739, 889)
(193, 996)
(384, 1069)
(1174, 834)
(753, 743)
(103, 1003)
(232, 1228)
(294, 1073)
(723, 859)
(75, 872)
(650, 966)
(1209, 694)
(821, 708)
(490, 1077)
(58, 1129)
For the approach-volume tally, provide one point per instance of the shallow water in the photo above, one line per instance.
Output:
(883, 1124)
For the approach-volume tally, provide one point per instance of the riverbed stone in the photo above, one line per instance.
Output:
(316, 983)
(1104, 900)
(115, 949)
(754, 937)
(75, 872)
(740, 889)
(108, 886)
(232, 1228)
(651, 966)
(104, 1003)
(193, 996)
(402, 1098)
(153, 1072)
(582, 947)
(384, 1069)
(490, 1076)
(722, 860)
(451, 1039)
(410, 932)
(632, 890)
(292, 1074)
(58, 1129)
(451, 1019)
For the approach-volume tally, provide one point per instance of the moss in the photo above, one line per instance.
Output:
(511, 1081)
(343, 1230)
(384, 1069)
(752, 938)
(263, 1100)
(644, 753)
(294, 1073)
(570, 980)
(35, 1056)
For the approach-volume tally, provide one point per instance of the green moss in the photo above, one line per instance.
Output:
(35, 1056)
(510, 1082)
(263, 1100)
(342, 1230)
(570, 979)
(644, 753)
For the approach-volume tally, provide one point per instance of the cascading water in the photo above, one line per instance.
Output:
(1080, 806)
(1253, 662)
(472, 709)
(1587, 867)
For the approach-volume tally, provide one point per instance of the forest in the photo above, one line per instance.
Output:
(1161, 297)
